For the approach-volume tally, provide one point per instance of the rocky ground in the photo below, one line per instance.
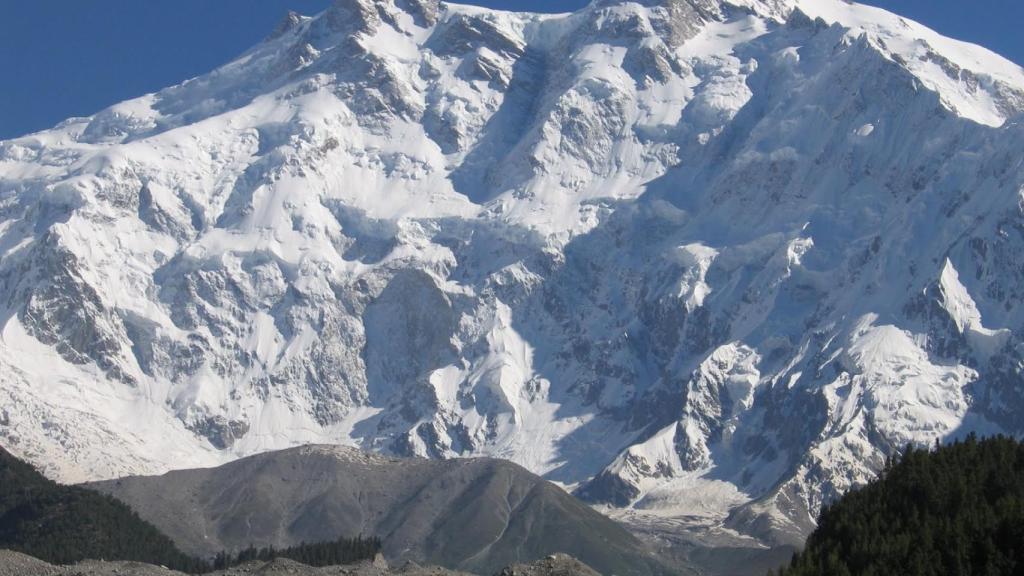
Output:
(17, 564)
(557, 565)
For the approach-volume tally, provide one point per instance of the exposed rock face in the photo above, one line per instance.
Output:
(710, 261)
(555, 565)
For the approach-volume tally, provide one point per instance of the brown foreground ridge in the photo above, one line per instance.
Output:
(476, 515)
(17, 564)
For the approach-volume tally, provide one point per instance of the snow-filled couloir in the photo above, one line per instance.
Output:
(689, 257)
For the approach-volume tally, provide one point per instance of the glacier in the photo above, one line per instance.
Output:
(701, 261)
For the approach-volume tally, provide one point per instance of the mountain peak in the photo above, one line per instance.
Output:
(290, 21)
(778, 8)
(359, 4)
(679, 20)
(357, 15)
(558, 239)
(365, 15)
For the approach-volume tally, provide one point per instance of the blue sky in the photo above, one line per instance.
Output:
(62, 58)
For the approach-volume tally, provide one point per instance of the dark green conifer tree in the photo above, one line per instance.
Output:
(957, 510)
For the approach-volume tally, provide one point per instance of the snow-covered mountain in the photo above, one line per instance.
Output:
(698, 259)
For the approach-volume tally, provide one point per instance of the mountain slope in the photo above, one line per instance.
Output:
(475, 515)
(706, 261)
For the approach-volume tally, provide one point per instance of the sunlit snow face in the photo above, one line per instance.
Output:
(741, 252)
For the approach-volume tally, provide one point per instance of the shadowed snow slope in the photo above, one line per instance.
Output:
(701, 259)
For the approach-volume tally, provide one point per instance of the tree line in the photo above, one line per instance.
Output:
(340, 551)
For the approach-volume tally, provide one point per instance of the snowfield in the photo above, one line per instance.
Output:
(691, 258)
